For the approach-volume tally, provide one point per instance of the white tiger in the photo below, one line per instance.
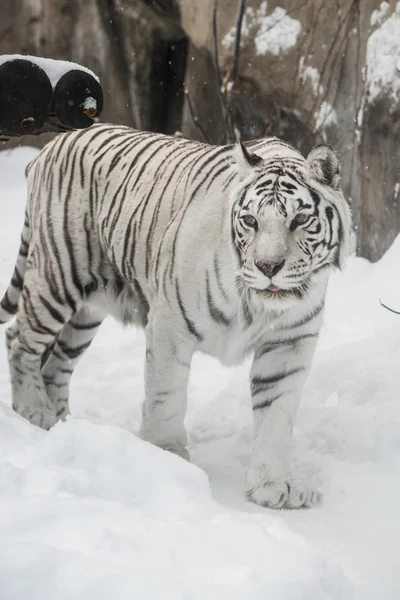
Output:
(226, 250)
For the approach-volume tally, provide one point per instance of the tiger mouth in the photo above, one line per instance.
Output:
(277, 293)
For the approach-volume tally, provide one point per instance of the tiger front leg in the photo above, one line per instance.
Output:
(277, 377)
(167, 368)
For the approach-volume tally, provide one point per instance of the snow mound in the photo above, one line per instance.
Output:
(383, 58)
(272, 33)
(89, 511)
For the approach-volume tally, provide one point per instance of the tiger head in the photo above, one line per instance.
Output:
(290, 221)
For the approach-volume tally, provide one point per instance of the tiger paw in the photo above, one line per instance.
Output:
(281, 493)
(40, 417)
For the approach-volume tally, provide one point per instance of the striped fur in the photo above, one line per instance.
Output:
(186, 240)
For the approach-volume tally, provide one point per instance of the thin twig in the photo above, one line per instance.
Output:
(225, 112)
(215, 42)
(194, 118)
(387, 307)
(238, 34)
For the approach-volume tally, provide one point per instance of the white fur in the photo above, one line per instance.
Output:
(180, 253)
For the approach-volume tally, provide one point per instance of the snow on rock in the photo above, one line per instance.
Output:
(55, 69)
(379, 14)
(382, 70)
(325, 117)
(89, 511)
(273, 33)
(311, 74)
(277, 32)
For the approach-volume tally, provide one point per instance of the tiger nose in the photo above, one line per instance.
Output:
(269, 269)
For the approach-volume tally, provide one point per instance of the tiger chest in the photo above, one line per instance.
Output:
(230, 344)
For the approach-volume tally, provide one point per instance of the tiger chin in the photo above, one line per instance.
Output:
(225, 250)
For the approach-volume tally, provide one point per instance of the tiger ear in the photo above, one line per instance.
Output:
(324, 165)
(246, 162)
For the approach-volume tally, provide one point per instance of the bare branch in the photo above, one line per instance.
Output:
(238, 34)
(215, 42)
(396, 312)
(225, 110)
(195, 119)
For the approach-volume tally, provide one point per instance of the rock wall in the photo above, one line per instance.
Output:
(307, 71)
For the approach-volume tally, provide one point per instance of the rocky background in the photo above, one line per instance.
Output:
(308, 71)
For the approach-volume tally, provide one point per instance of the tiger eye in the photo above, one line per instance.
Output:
(250, 220)
(299, 219)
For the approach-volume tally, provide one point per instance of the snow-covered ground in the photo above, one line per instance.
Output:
(88, 511)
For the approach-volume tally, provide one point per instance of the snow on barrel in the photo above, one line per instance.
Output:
(35, 89)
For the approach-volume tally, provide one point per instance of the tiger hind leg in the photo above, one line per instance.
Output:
(39, 321)
(61, 358)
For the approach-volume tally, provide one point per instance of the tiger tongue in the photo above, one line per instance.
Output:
(273, 288)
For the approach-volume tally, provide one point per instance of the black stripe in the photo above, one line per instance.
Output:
(156, 210)
(84, 326)
(23, 248)
(221, 170)
(7, 305)
(131, 172)
(267, 403)
(39, 326)
(276, 344)
(50, 381)
(67, 235)
(229, 180)
(108, 142)
(127, 239)
(216, 153)
(143, 303)
(73, 352)
(54, 246)
(307, 318)
(261, 384)
(248, 315)
(218, 279)
(190, 325)
(51, 278)
(216, 314)
(132, 141)
(174, 214)
(53, 311)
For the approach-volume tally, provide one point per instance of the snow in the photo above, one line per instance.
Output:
(379, 14)
(325, 117)
(311, 74)
(277, 32)
(382, 70)
(273, 33)
(55, 69)
(89, 511)
(89, 103)
(396, 190)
